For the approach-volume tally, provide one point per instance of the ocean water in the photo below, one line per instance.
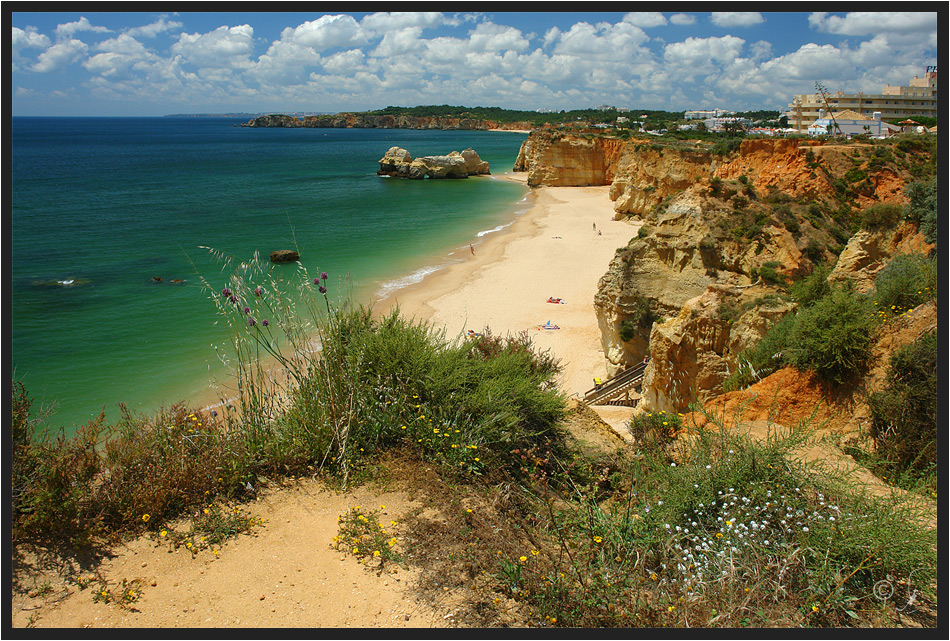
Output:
(103, 206)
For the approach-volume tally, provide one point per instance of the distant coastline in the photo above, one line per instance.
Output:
(250, 114)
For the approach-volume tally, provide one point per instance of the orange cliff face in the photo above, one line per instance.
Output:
(798, 170)
(642, 174)
(553, 160)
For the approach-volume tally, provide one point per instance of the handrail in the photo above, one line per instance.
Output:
(617, 383)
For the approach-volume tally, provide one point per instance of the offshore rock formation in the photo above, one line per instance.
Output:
(397, 162)
(370, 121)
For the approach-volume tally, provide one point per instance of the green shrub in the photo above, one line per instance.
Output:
(813, 287)
(907, 281)
(726, 147)
(833, 337)
(639, 318)
(655, 431)
(386, 381)
(51, 481)
(814, 252)
(765, 357)
(158, 466)
(880, 216)
(855, 174)
(769, 274)
(904, 413)
(922, 208)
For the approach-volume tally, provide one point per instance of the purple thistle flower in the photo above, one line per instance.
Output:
(265, 323)
(251, 322)
(323, 275)
(214, 413)
(323, 290)
(226, 292)
(247, 310)
(258, 291)
(232, 298)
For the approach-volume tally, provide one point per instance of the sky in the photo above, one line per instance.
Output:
(75, 63)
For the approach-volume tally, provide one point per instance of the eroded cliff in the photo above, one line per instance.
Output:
(723, 233)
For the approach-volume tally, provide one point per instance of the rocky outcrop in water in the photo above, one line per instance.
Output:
(284, 256)
(397, 162)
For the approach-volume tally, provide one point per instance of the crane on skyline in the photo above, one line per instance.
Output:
(824, 97)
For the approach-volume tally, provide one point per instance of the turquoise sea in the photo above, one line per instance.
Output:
(104, 206)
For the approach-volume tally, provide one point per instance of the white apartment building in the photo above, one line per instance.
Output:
(704, 114)
(719, 123)
(850, 123)
(918, 98)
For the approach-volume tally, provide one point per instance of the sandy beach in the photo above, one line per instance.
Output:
(552, 250)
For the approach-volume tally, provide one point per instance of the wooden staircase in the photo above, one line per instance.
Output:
(616, 391)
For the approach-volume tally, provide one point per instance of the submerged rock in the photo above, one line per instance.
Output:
(284, 256)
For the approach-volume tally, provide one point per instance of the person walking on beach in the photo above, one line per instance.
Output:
(471, 247)
(595, 226)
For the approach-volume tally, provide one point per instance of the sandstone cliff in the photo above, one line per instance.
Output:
(567, 161)
(722, 234)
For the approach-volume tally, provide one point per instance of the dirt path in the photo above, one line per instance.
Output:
(287, 574)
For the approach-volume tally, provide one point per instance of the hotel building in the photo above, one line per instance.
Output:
(918, 98)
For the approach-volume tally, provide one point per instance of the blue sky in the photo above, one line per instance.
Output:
(75, 63)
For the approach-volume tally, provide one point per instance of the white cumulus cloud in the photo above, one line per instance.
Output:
(223, 47)
(382, 23)
(645, 18)
(736, 18)
(327, 32)
(60, 55)
(151, 30)
(69, 29)
(118, 55)
(683, 19)
(861, 23)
